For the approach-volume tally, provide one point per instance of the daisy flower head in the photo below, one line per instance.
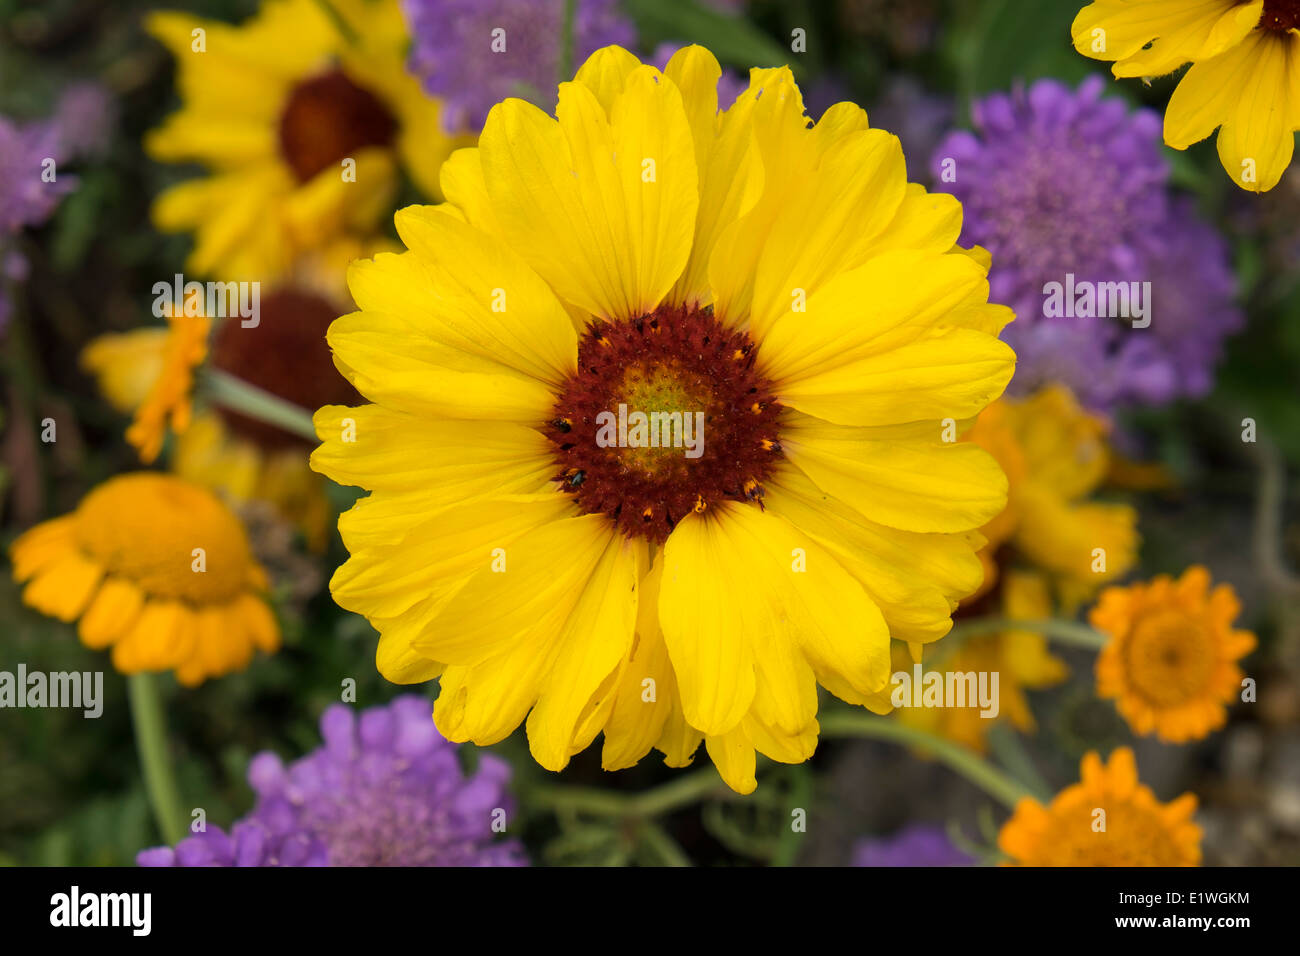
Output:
(384, 789)
(1244, 78)
(1172, 662)
(156, 568)
(1056, 456)
(1107, 819)
(152, 373)
(303, 117)
(471, 54)
(1121, 292)
(794, 316)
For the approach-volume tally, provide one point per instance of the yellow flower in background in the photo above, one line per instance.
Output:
(156, 568)
(781, 281)
(1020, 659)
(1136, 830)
(1244, 80)
(284, 354)
(150, 372)
(1041, 555)
(302, 119)
(1056, 456)
(1171, 664)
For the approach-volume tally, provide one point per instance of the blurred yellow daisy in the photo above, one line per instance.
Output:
(1056, 455)
(158, 569)
(776, 286)
(283, 354)
(1244, 80)
(1050, 547)
(302, 116)
(1107, 819)
(1171, 664)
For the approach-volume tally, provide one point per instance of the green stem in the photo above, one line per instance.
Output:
(238, 396)
(651, 803)
(1063, 632)
(566, 41)
(658, 840)
(151, 742)
(961, 759)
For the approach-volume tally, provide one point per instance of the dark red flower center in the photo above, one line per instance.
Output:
(666, 415)
(1281, 15)
(329, 118)
(284, 354)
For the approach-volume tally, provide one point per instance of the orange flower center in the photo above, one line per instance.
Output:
(666, 415)
(1134, 836)
(1169, 657)
(329, 118)
(168, 537)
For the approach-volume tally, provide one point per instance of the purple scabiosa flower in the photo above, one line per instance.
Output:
(730, 85)
(916, 845)
(1069, 192)
(30, 154)
(249, 843)
(461, 56)
(384, 789)
(27, 193)
(85, 117)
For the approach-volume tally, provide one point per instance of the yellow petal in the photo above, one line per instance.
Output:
(111, 614)
(489, 303)
(733, 754)
(910, 485)
(545, 574)
(828, 225)
(601, 206)
(385, 450)
(436, 552)
(647, 688)
(596, 636)
(64, 587)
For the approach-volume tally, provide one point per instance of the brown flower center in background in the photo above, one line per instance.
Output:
(286, 355)
(329, 118)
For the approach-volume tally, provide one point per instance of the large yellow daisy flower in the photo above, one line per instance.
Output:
(1052, 546)
(779, 282)
(1107, 819)
(1171, 664)
(1244, 80)
(275, 108)
(158, 569)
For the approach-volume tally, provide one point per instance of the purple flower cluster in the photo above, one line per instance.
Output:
(31, 180)
(472, 54)
(916, 845)
(1065, 187)
(385, 789)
